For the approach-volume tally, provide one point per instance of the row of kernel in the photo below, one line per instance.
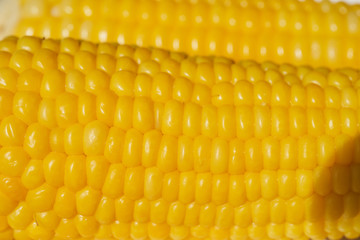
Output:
(124, 209)
(140, 55)
(125, 198)
(220, 77)
(176, 118)
(308, 151)
(152, 61)
(184, 13)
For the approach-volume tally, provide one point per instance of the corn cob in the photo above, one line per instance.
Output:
(307, 32)
(111, 141)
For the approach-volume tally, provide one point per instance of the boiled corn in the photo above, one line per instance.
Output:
(111, 141)
(291, 31)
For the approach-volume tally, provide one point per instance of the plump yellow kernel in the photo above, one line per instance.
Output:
(295, 210)
(172, 118)
(298, 95)
(124, 209)
(95, 134)
(86, 225)
(36, 142)
(244, 122)
(126, 64)
(75, 82)
(66, 109)
(142, 54)
(6, 99)
(87, 200)
(86, 108)
(209, 124)
(253, 157)
(44, 60)
(142, 85)
(286, 183)
(166, 161)
(207, 215)
(96, 170)
(132, 151)
(123, 113)
(242, 215)
(226, 122)
(191, 121)
(105, 107)
(84, 61)
(13, 161)
(162, 87)
(315, 96)
(202, 154)
(272, 76)
(201, 94)
(134, 177)
(307, 152)
(65, 62)
(269, 186)
(67, 229)
(143, 119)
(262, 93)
(25, 106)
(32, 175)
(75, 172)
(29, 80)
(35, 231)
(57, 139)
(203, 188)
(41, 198)
(185, 154)
(5, 59)
(52, 84)
(341, 178)
(53, 166)
(315, 77)
(182, 89)
(8, 79)
(48, 220)
(220, 188)
(12, 131)
(21, 60)
(338, 80)
(122, 83)
(150, 67)
(65, 205)
(254, 73)
(46, 113)
(252, 186)
(13, 188)
(188, 68)
(20, 217)
(219, 156)
(142, 210)
(105, 213)
(170, 187)
(50, 44)
(205, 74)
(262, 126)
(96, 81)
(69, 45)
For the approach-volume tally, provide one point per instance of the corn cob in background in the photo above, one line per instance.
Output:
(291, 31)
(111, 141)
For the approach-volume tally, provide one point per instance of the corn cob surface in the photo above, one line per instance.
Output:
(111, 141)
(306, 32)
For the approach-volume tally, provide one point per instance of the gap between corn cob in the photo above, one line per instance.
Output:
(113, 141)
